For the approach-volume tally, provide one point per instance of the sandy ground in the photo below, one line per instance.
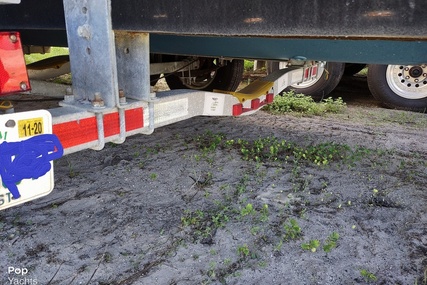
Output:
(185, 206)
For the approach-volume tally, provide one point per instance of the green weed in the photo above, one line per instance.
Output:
(312, 245)
(248, 65)
(331, 242)
(291, 102)
(248, 210)
(272, 149)
(368, 276)
(243, 250)
(292, 230)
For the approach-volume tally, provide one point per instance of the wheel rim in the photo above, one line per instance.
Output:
(408, 81)
(309, 83)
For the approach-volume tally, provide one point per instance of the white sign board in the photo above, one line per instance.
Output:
(27, 148)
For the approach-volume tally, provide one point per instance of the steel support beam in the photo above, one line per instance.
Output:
(92, 50)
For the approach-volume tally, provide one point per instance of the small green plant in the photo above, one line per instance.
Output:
(255, 230)
(368, 276)
(312, 245)
(204, 224)
(221, 218)
(264, 213)
(243, 250)
(71, 172)
(153, 176)
(291, 102)
(241, 187)
(292, 230)
(227, 261)
(331, 242)
(248, 210)
(192, 218)
(212, 269)
(248, 65)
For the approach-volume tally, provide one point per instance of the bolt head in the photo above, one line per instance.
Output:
(69, 91)
(13, 38)
(69, 98)
(122, 100)
(23, 86)
(98, 104)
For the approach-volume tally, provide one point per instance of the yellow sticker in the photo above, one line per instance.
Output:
(30, 127)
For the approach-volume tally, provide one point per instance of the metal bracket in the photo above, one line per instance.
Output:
(102, 61)
(92, 50)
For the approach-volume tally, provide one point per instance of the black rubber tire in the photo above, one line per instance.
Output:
(226, 78)
(380, 89)
(353, 68)
(325, 84)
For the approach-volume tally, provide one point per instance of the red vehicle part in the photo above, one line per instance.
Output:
(13, 72)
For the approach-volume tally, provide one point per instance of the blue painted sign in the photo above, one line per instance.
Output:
(27, 159)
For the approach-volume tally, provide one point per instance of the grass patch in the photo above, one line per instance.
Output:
(272, 149)
(54, 51)
(291, 102)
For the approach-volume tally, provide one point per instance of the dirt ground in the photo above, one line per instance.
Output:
(192, 204)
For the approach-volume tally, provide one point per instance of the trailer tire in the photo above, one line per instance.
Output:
(225, 78)
(319, 89)
(399, 86)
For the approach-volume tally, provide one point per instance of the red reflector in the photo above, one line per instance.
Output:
(237, 109)
(255, 104)
(13, 72)
(269, 98)
(74, 133)
(314, 71)
(306, 73)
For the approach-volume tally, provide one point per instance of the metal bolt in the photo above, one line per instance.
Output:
(23, 86)
(69, 96)
(416, 80)
(97, 101)
(13, 38)
(122, 97)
